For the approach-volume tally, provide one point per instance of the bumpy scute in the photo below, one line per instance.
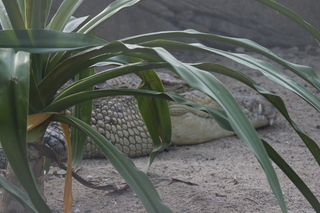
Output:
(118, 119)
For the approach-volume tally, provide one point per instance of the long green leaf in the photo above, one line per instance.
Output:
(14, 90)
(271, 72)
(76, 98)
(211, 86)
(208, 84)
(36, 13)
(313, 147)
(71, 100)
(155, 113)
(63, 14)
(79, 62)
(22, 8)
(136, 179)
(102, 76)
(293, 16)
(4, 18)
(82, 111)
(46, 41)
(274, 99)
(74, 65)
(108, 12)
(306, 73)
(71, 26)
(18, 194)
(36, 66)
(292, 175)
(278, 103)
(75, 23)
(14, 14)
(35, 102)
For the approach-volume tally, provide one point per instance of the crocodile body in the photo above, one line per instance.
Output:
(119, 120)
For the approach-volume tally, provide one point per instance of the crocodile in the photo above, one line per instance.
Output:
(119, 120)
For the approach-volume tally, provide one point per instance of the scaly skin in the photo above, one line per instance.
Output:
(118, 119)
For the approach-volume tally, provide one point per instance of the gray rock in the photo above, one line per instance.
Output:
(242, 18)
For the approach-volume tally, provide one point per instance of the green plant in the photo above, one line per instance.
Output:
(38, 59)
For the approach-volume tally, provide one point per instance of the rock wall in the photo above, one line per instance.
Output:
(239, 18)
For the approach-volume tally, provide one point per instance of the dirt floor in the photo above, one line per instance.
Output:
(225, 174)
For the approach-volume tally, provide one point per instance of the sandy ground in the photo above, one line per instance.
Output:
(226, 174)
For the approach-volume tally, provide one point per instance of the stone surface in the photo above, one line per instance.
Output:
(243, 18)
